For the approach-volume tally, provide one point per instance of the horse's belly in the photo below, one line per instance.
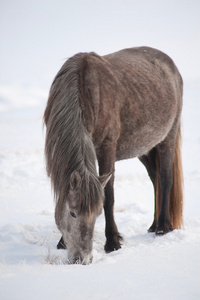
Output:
(137, 142)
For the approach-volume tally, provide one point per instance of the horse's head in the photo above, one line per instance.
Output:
(77, 219)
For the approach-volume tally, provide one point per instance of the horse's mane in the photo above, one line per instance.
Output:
(68, 146)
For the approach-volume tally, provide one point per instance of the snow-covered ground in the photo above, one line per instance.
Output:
(147, 266)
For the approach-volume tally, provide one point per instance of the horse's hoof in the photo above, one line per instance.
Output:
(160, 232)
(61, 244)
(152, 228)
(111, 247)
(164, 230)
(113, 244)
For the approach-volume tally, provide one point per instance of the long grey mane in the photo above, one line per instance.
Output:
(68, 146)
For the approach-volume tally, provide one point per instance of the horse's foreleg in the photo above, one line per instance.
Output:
(165, 180)
(113, 237)
(106, 160)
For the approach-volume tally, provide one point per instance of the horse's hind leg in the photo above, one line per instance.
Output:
(166, 158)
(106, 160)
(149, 161)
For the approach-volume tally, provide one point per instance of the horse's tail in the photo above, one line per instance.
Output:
(176, 196)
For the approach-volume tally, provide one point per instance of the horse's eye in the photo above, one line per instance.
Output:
(72, 214)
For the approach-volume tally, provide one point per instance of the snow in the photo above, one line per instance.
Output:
(147, 266)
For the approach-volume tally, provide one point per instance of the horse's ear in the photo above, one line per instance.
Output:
(75, 181)
(104, 179)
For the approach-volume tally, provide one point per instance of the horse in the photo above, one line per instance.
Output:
(104, 109)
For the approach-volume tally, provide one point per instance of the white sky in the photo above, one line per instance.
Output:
(36, 36)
